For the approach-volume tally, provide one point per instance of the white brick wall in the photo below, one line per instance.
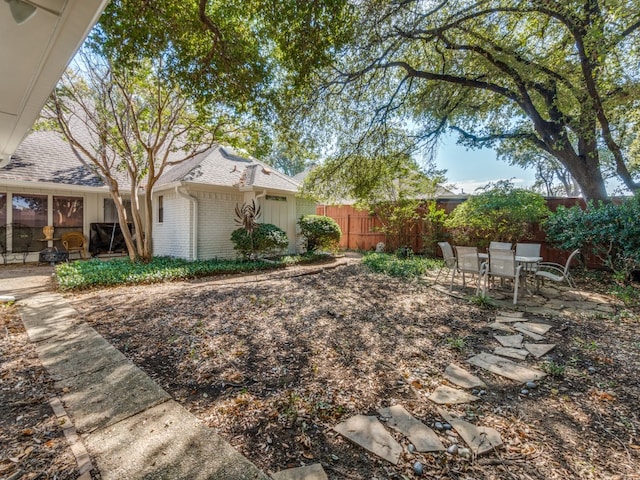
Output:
(216, 222)
(216, 217)
(172, 237)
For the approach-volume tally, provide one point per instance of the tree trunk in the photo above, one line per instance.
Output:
(124, 226)
(148, 222)
(586, 172)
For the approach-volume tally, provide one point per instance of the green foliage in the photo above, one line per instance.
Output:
(396, 267)
(554, 369)
(398, 219)
(264, 239)
(501, 213)
(457, 343)
(433, 230)
(98, 273)
(483, 301)
(550, 75)
(610, 231)
(320, 232)
(629, 294)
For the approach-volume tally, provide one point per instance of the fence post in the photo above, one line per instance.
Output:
(348, 231)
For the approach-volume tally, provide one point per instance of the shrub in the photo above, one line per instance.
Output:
(609, 231)
(265, 239)
(320, 232)
(98, 273)
(94, 273)
(501, 212)
(396, 267)
(434, 228)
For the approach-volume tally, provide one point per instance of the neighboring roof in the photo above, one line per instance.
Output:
(222, 166)
(45, 157)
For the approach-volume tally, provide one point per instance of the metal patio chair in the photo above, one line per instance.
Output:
(556, 272)
(501, 245)
(502, 264)
(529, 250)
(448, 257)
(468, 261)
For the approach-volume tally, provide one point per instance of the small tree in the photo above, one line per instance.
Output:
(320, 232)
(264, 239)
(129, 127)
(501, 212)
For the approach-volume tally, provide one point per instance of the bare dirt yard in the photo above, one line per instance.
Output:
(274, 365)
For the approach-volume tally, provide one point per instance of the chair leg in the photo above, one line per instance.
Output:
(438, 275)
(453, 274)
(516, 282)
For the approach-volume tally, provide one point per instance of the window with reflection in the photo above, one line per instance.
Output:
(3, 222)
(29, 216)
(68, 215)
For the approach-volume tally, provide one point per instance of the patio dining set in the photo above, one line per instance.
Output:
(502, 261)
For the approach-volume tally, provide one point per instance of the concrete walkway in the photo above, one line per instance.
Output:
(129, 425)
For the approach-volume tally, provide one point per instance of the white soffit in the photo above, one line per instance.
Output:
(33, 57)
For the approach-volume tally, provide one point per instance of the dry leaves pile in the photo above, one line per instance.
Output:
(32, 445)
(274, 365)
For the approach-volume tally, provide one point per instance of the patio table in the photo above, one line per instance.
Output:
(526, 262)
(528, 265)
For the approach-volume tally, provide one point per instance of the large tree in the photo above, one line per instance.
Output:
(555, 76)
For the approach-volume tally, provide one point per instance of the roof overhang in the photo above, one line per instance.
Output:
(33, 56)
(58, 187)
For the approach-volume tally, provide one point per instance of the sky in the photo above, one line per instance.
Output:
(470, 169)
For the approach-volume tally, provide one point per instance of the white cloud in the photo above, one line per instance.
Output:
(470, 186)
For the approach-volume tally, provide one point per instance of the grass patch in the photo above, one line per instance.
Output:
(554, 369)
(629, 294)
(412, 266)
(457, 343)
(98, 273)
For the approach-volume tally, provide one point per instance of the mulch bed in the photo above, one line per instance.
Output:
(274, 365)
(32, 445)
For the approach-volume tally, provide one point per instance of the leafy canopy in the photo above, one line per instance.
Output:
(553, 76)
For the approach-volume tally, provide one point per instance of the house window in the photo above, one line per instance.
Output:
(3, 222)
(111, 213)
(29, 216)
(276, 198)
(3, 209)
(68, 214)
(161, 209)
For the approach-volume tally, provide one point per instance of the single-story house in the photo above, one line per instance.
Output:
(194, 202)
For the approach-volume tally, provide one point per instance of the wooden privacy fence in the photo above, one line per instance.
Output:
(360, 229)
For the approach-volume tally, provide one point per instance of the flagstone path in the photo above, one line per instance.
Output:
(370, 433)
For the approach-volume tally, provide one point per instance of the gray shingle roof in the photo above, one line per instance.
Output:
(222, 166)
(44, 156)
